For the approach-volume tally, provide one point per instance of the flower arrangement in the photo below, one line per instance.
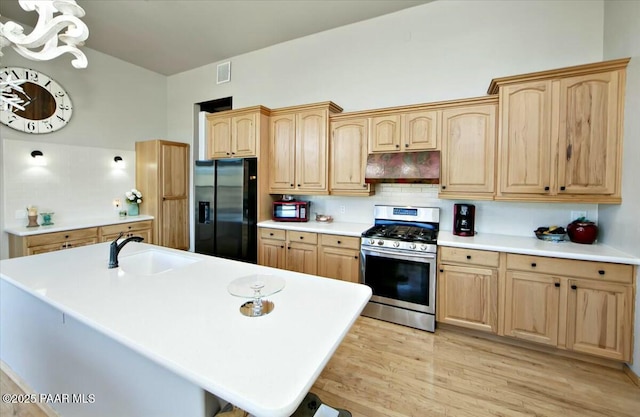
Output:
(134, 196)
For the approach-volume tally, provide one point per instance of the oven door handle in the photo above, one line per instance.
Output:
(404, 255)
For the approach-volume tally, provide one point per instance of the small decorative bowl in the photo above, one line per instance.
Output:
(551, 237)
(324, 218)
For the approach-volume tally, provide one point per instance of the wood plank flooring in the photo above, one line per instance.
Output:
(385, 370)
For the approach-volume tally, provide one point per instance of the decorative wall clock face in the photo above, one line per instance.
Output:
(47, 106)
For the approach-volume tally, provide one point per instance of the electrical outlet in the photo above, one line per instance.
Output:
(343, 209)
(21, 214)
(578, 214)
(116, 204)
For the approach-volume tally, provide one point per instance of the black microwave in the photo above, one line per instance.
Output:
(291, 211)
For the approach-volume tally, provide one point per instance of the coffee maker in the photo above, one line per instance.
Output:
(464, 216)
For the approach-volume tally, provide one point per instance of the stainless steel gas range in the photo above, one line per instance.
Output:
(398, 262)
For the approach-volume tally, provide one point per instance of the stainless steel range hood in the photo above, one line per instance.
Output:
(403, 167)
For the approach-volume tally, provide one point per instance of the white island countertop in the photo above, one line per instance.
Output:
(61, 226)
(530, 245)
(186, 320)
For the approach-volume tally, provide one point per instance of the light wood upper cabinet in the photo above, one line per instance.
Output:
(348, 157)
(588, 140)
(525, 147)
(299, 149)
(467, 162)
(408, 131)
(236, 133)
(560, 134)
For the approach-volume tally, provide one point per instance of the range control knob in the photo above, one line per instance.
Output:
(412, 245)
(423, 247)
(372, 241)
(396, 244)
(380, 242)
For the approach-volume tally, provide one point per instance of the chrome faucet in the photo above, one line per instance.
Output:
(115, 248)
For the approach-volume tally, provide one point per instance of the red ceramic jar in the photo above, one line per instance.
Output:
(582, 231)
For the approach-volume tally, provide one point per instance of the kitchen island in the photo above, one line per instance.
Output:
(161, 335)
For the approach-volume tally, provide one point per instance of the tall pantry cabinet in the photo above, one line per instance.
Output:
(162, 175)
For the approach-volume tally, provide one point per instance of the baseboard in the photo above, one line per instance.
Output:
(610, 363)
(26, 389)
(632, 375)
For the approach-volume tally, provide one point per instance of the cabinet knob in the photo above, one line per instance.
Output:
(355, 257)
(298, 185)
(574, 287)
(339, 242)
(282, 246)
(301, 237)
(468, 256)
(66, 236)
(397, 146)
(288, 247)
(406, 145)
(557, 284)
(228, 153)
(270, 234)
(444, 187)
(364, 185)
(129, 227)
(233, 153)
(601, 272)
(533, 264)
(546, 188)
(563, 188)
(442, 270)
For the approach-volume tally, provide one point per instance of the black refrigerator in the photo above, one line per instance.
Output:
(226, 208)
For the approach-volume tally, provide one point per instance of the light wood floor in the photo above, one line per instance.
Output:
(386, 370)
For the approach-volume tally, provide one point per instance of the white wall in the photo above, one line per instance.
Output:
(438, 51)
(620, 225)
(115, 104)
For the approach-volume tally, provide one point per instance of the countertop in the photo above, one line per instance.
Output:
(526, 245)
(333, 228)
(185, 319)
(530, 245)
(76, 224)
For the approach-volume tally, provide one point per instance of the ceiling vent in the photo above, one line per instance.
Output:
(224, 73)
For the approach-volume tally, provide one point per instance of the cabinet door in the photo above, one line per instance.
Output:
(339, 263)
(272, 253)
(468, 149)
(348, 160)
(311, 150)
(302, 257)
(385, 134)
(525, 142)
(219, 140)
(599, 319)
(243, 136)
(532, 307)
(468, 297)
(420, 130)
(174, 227)
(589, 142)
(282, 156)
(174, 160)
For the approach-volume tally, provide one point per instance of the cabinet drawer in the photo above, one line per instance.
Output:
(602, 271)
(339, 241)
(469, 256)
(56, 237)
(305, 237)
(126, 227)
(276, 234)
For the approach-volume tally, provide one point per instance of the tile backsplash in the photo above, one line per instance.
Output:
(76, 182)
(506, 218)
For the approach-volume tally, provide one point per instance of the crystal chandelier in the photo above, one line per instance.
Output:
(42, 43)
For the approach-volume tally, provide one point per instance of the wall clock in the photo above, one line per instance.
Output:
(47, 106)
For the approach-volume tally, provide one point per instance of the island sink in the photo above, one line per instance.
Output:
(151, 262)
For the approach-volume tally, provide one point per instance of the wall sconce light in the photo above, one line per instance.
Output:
(118, 162)
(38, 158)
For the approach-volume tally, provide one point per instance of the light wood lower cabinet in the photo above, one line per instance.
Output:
(468, 289)
(327, 255)
(50, 242)
(142, 229)
(580, 306)
(339, 257)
